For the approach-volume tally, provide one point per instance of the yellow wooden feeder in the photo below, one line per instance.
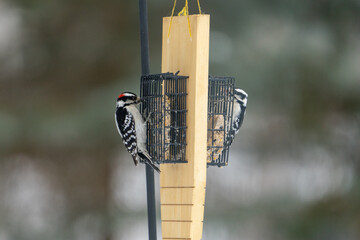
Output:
(190, 117)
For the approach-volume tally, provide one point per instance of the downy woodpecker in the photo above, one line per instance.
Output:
(132, 128)
(239, 110)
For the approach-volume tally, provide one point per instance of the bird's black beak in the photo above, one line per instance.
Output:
(139, 100)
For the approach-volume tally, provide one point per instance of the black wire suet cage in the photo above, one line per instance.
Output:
(220, 112)
(164, 105)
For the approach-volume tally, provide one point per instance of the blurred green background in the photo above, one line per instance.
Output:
(294, 168)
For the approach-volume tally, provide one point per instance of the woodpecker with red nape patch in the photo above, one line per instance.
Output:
(132, 128)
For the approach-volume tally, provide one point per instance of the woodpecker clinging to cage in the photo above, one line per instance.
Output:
(132, 128)
(239, 110)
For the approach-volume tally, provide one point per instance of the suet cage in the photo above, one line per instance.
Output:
(220, 111)
(164, 105)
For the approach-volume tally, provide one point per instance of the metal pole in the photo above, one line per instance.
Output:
(145, 70)
(144, 37)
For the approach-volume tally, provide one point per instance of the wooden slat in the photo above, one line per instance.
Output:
(176, 229)
(180, 195)
(182, 186)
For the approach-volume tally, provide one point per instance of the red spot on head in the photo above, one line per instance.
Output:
(121, 95)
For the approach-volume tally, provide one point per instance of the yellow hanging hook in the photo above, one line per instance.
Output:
(183, 12)
(172, 14)
(198, 1)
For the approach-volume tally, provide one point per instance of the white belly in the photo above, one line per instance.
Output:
(140, 126)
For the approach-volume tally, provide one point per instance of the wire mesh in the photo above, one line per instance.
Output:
(220, 111)
(164, 105)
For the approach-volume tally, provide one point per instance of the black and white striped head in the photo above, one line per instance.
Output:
(126, 99)
(240, 96)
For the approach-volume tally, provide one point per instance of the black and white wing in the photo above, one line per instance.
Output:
(126, 128)
(239, 110)
(238, 121)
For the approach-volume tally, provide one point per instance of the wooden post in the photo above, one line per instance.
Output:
(182, 185)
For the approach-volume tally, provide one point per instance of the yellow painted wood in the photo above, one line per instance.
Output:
(176, 195)
(182, 185)
(176, 212)
(176, 230)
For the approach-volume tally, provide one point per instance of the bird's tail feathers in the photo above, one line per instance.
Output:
(147, 159)
(136, 160)
(230, 137)
(152, 165)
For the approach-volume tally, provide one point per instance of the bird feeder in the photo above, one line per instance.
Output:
(164, 97)
(220, 111)
(190, 116)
